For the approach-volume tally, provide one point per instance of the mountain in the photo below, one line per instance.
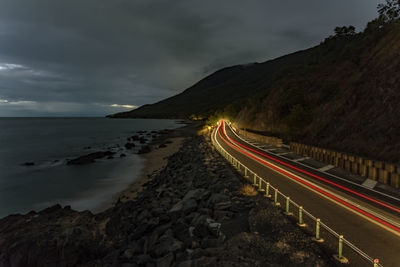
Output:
(348, 103)
(342, 94)
(216, 91)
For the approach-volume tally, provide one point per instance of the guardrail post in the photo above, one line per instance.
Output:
(259, 185)
(276, 197)
(301, 222)
(238, 166)
(376, 263)
(267, 190)
(317, 231)
(287, 211)
(255, 180)
(340, 256)
(245, 172)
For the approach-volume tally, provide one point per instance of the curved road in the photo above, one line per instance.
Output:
(366, 218)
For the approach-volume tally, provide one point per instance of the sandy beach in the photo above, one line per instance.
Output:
(155, 161)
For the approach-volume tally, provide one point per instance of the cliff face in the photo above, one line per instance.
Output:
(349, 104)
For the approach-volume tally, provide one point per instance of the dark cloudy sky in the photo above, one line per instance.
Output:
(94, 57)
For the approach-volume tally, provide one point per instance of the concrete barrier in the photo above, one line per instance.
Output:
(386, 173)
(261, 138)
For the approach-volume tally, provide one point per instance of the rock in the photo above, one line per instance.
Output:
(221, 215)
(162, 145)
(144, 149)
(143, 259)
(189, 206)
(143, 215)
(128, 253)
(129, 145)
(210, 243)
(122, 155)
(267, 221)
(139, 231)
(177, 207)
(89, 158)
(181, 232)
(142, 140)
(110, 157)
(51, 209)
(135, 138)
(29, 163)
(223, 205)
(196, 193)
(166, 246)
(214, 227)
(201, 231)
(217, 198)
(166, 261)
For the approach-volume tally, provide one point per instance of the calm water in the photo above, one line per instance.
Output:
(49, 142)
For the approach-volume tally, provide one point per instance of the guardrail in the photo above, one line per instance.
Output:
(304, 218)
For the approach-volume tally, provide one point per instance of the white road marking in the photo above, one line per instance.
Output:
(300, 159)
(369, 183)
(284, 153)
(343, 198)
(337, 177)
(326, 168)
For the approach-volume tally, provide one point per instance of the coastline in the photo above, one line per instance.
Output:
(196, 211)
(155, 161)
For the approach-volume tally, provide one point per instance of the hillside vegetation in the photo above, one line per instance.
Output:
(347, 103)
(342, 94)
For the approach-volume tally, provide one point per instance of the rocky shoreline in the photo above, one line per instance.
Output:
(197, 211)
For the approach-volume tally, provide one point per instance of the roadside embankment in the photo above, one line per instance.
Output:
(196, 211)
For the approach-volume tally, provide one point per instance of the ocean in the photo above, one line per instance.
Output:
(49, 143)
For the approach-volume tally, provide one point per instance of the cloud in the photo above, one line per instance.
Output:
(124, 106)
(92, 53)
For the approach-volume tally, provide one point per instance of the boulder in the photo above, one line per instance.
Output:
(177, 207)
(214, 227)
(189, 206)
(223, 205)
(144, 150)
(195, 194)
(217, 198)
(166, 261)
(129, 145)
(135, 138)
(167, 245)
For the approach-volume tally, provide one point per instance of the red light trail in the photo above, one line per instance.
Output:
(304, 182)
(315, 176)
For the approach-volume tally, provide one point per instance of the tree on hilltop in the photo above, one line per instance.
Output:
(345, 31)
(390, 10)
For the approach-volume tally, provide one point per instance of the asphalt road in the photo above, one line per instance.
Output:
(370, 221)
